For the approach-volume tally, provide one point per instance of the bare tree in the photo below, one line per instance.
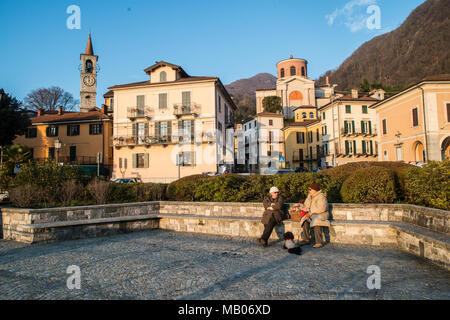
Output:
(49, 99)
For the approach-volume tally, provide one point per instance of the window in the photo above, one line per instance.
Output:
(162, 100)
(95, 129)
(73, 130)
(323, 115)
(220, 105)
(282, 72)
(348, 109)
(162, 76)
(270, 122)
(186, 98)
(186, 158)
(366, 127)
(300, 137)
(303, 72)
(88, 67)
(226, 113)
(304, 115)
(317, 135)
(163, 129)
(367, 147)
(350, 147)
(310, 137)
(349, 126)
(140, 160)
(219, 126)
(52, 131)
(448, 112)
(398, 152)
(140, 101)
(292, 71)
(364, 110)
(384, 126)
(311, 115)
(73, 154)
(51, 153)
(415, 117)
(31, 133)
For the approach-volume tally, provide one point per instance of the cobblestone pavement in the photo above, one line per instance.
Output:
(167, 265)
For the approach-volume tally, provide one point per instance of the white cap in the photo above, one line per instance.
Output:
(274, 189)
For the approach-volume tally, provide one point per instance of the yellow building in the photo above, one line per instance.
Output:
(80, 136)
(415, 123)
(171, 126)
(303, 139)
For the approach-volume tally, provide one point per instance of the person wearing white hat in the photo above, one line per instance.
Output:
(273, 214)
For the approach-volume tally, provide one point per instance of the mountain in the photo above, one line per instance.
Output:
(417, 49)
(243, 92)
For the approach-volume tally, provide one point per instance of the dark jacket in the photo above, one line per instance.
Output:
(278, 210)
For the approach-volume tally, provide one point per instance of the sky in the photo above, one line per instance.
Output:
(230, 39)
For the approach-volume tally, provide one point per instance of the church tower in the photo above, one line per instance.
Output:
(88, 70)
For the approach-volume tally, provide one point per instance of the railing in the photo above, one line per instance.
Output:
(143, 140)
(358, 132)
(180, 109)
(81, 160)
(136, 112)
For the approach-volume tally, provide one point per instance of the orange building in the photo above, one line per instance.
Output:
(414, 125)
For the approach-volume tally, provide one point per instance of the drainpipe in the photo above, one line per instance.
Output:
(424, 124)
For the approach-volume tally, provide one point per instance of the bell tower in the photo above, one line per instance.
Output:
(88, 72)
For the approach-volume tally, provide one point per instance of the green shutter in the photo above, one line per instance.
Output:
(353, 126)
(347, 148)
(345, 127)
(134, 129)
(169, 129)
(371, 147)
(157, 129)
(363, 129)
(354, 146)
(370, 127)
(363, 147)
(90, 129)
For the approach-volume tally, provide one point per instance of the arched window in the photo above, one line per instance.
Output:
(292, 71)
(304, 115)
(282, 72)
(163, 76)
(311, 115)
(88, 67)
(303, 71)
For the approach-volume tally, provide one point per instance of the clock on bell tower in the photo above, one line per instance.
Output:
(88, 71)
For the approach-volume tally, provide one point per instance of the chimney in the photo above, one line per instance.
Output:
(327, 80)
(60, 110)
(40, 112)
(104, 109)
(355, 94)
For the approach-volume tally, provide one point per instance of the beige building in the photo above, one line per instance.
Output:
(173, 125)
(295, 88)
(349, 130)
(415, 123)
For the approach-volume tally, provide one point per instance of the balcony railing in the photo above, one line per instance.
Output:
(81, 160)
(143, 140)
(136, 112)
(180, 109)
(356, 133)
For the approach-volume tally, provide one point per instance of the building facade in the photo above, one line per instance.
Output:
(414, 125)
(349, 130)
(172, 126)
(70, 137)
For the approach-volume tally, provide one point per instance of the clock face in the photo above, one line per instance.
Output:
(89, 80)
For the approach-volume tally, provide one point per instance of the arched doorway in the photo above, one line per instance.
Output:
(419, 152)
(445, 149)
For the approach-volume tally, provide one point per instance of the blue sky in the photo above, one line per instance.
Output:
(231, 39)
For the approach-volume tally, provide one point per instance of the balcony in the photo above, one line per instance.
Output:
(357, 133)
(136, 112)
(181, 110)
(124, 141)
(208, 137)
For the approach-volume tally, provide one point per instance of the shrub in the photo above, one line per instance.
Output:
(122, 192)
(370, 185)
(150, 191)
(68, 191)
(24, 196)
(219, 189)
(99, 190)
(184, 188)
(429, 186)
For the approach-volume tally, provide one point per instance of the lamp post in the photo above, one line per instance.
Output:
(57, 147)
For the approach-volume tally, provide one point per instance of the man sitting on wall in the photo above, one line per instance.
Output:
(273, 214)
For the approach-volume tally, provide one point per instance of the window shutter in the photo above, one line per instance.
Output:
(363, 129)
(384, 126)
(146, 130)
(192, 130)
(370, 127)
(371, 147)
(298, 137)
(347, 149)
(140, 101)
(169, 129)
(363, 147)
(193, 158)
(100, 128)
(353, 126)
(345, 127)
(90, 129)
(146, 164)
(158, 129)
(186, 98)
(134, 161)
(68, 130)
(354, 146)
(134, 129)
(415, 117)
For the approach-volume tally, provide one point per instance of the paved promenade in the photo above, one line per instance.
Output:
(167, 265)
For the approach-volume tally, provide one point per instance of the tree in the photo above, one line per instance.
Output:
(49, 99)
(16, 154)
(272, 104)
(13, 121)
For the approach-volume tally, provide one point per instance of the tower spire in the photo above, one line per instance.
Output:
(89, 48)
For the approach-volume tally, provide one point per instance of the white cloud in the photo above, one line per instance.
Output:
(353, 13)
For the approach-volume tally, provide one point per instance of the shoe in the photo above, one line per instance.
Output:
(262, 242)
(318, 245)
(305, 243)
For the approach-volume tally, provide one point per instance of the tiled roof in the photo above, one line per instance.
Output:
(305, 107)
(109, 94)
(52, 117)
(438, 77)
(148, 83)
(163, 64)
(301, 124)
(269, 114)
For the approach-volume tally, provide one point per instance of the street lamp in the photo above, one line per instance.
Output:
(57, 147)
